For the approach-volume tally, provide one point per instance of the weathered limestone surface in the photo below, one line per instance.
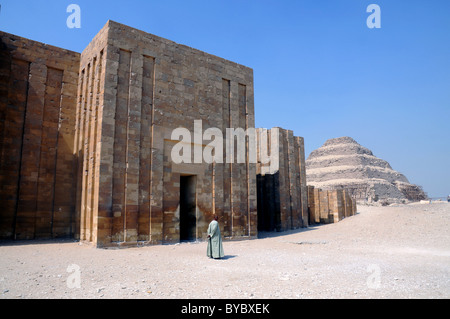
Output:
(38, 89)
(86, 139)
(342, 163)
(135, 89)
(329, 206)
(86, 146)
(281, 180)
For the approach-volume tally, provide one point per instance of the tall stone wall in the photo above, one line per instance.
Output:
(329, 206)
(135, 89)
(281, 180)
(86, 146)
(38, 89)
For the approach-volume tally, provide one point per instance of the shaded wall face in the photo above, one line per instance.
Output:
(148, 87)
(38, 86)
(281, 180)
(269, 214)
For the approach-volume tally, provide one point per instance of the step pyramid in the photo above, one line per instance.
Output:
(342, 163)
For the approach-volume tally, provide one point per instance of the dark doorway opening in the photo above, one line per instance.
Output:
(188, 204)
(268, 201)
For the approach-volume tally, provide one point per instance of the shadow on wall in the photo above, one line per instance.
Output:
(278, 211)
(268, 204)
(36, 127)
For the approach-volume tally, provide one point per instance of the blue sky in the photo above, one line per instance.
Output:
(319, 70)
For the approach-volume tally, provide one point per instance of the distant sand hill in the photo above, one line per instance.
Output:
(343, 163)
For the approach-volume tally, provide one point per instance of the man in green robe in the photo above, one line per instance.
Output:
(215, 248)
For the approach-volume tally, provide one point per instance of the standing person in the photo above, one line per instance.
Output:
(215, 248)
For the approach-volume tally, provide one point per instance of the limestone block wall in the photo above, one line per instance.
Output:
(312, 206)
(88, 141)
(38, 89)
(281, 180)
(86, 146)
(329, 206)
(134, 90)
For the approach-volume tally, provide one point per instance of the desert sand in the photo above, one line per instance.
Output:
(398, 251)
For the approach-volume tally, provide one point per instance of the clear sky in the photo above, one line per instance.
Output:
(319, 70)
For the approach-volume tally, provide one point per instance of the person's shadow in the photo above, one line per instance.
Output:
(228, 257)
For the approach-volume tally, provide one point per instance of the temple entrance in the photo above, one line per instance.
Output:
(188, 204)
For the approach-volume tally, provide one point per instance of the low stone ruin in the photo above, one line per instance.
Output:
(329, 206)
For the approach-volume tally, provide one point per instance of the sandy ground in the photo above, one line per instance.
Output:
(382, 252)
